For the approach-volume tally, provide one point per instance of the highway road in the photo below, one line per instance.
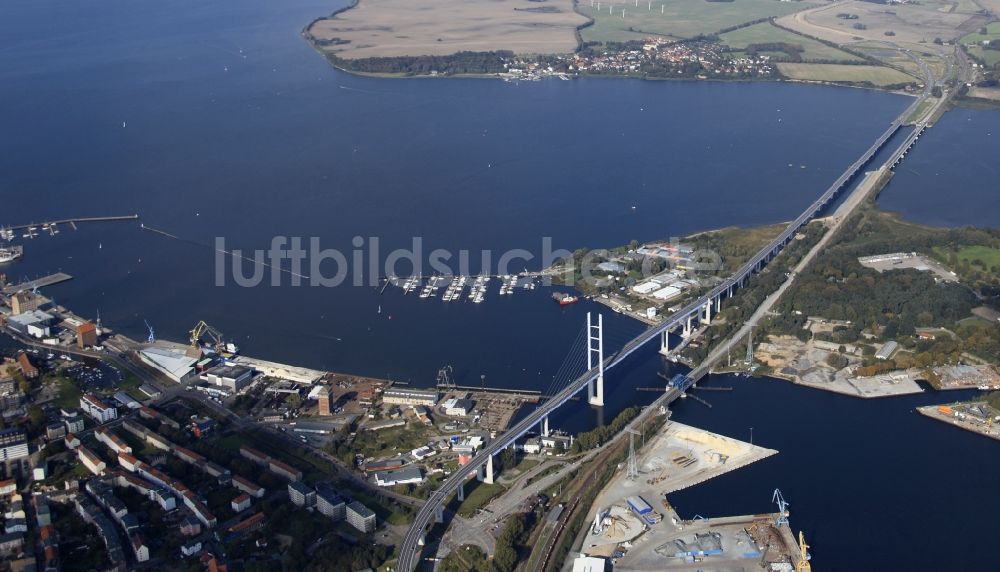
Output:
(410, 548)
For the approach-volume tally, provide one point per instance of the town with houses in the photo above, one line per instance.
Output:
(158, 451)
(653, 56)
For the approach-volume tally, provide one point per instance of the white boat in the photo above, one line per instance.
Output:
(10, 253)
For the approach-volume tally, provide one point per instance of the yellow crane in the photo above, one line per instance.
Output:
(213, 335)
(803, 565)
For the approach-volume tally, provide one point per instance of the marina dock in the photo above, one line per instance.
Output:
(72, 221)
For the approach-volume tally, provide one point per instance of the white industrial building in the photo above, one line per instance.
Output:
(233, 378)
(402, 396)
(32, 323)
(458, 407)
(406, 476)
(175, 364)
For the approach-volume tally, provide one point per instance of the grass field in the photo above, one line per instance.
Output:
(676, 18)
(989, 57)
(875, 75)
(973, 255)
(480, 496)
(69, 393)
(765, 33)
(380, 28)
(992, 33)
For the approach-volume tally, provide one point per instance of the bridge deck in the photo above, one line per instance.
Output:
(409, 549)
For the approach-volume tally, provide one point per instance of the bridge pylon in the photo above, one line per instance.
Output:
(488, 478)
(595, 358)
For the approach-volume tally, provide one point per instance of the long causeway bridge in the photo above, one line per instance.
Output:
(700, 310)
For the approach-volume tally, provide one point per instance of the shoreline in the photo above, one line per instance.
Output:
(307, 36)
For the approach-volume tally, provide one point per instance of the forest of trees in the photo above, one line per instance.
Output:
(459, 63)
(600, 435)
(893, 304)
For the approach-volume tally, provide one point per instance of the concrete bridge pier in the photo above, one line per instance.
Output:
(686, 332)
(665, 342)
(488, 478)
(439, 514)
(706, 313)
(461, 492)
(545, 426)
(718, 304)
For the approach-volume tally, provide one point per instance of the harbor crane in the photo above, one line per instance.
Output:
(778, 499)
(152, 334)
(804, 556)
(444, 378)
(214, 335)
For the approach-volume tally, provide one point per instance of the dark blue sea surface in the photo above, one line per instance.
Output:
(215, 119)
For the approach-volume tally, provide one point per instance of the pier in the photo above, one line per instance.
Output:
(72, 221)
(37, 283)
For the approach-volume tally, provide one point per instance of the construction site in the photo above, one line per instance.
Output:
(975, 416)
(807, 363)
(633, 511)
(636, 541)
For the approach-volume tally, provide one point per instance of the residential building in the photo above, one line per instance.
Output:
(300, 494)
(532, 446)
(99, 410)
(139, 548)
(8, 487)
(27, 368)
(74, 422)
(71, 441)
(190, 526)
(127, 400)
(112, 441)
(248, 487)
(407, 396)
(240, 503)
(43, 514)
(328, 503)
(191, 549)
(285, 470)
(55, 431)
(248, 525)
(360, 517)
(90, 460)
(11, 543)
(254, 455)
(13, 444)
